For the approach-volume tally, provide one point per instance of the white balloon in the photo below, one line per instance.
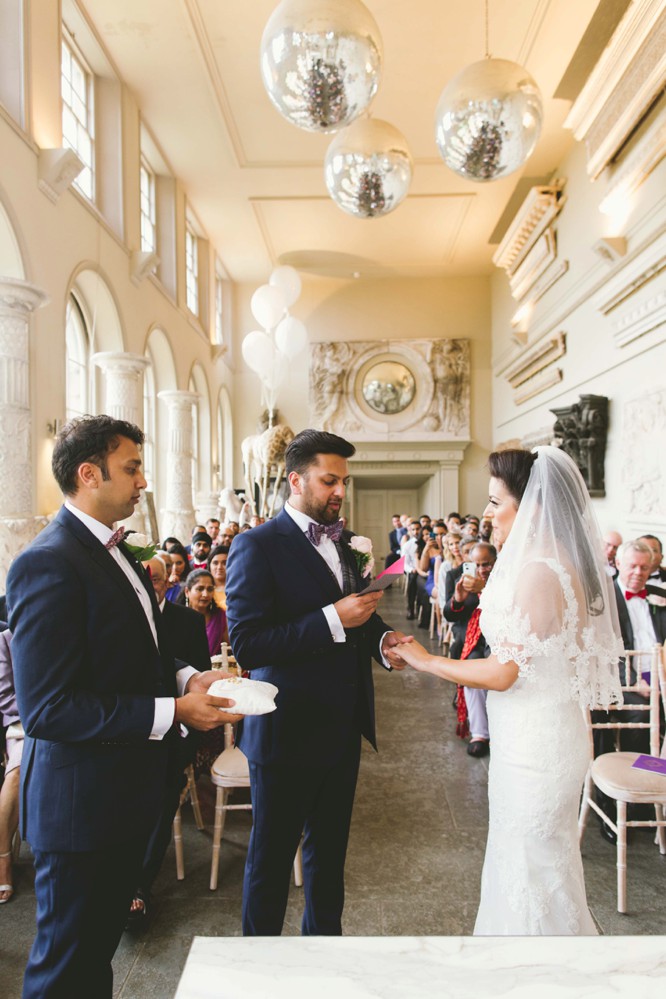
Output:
(288, 280)
(291, 336)
(259, 352)
(268, 304)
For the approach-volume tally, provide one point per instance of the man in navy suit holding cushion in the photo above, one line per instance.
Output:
(296, 619)
(100, 698)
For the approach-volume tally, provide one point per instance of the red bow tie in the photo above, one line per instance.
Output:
(641, 593)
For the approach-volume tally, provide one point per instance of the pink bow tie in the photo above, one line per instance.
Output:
(315, 532)
(116, 538)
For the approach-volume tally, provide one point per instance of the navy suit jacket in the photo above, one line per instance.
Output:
(277, 585)
(87, 672)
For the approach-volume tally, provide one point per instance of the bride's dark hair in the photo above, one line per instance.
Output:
(513, 467)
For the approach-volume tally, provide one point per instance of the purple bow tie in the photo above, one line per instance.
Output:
(315, 532)
(116, 538)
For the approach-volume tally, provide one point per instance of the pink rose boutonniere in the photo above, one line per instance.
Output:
(362, 549)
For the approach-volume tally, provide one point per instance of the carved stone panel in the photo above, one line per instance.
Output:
(581, 431)
(371, 389)
(642, 458)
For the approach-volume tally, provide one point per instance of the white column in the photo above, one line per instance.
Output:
(178, 516)
(123, 385)
(123, 400)
(18, 525)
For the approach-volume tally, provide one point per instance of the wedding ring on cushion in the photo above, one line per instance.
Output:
(252, 697)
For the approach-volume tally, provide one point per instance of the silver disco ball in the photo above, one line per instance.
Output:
(488, 119)
(321, 62)
(368, 168)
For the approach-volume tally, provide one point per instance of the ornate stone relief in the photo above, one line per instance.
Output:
(622, 85)
(643, 446)
(371, 389)
(581, 431)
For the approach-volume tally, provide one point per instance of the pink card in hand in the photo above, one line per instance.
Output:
(652, 763)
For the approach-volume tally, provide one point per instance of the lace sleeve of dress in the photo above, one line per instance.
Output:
(539, 618)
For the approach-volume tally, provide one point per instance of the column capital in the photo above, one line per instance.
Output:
(17, 295)
(178, 398)
(121, 361)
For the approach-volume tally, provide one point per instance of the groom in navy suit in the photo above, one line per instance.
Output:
(101, 698)
(296, 619)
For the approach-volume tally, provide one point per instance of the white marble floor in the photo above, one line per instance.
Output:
(423, 968)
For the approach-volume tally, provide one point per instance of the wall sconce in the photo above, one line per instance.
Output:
(53, 429)
(610, 248)
(58, 168)
(142, 264)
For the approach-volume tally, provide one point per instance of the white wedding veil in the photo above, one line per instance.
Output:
(551, 580)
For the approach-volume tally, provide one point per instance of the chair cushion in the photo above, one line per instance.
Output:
(613, 774)
(231, 765)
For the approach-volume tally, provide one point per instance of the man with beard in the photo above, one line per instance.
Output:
(297, 619)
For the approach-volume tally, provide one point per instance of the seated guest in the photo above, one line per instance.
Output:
(459, 624)
(453, 522)
(430, 557)
(213, 529)
(472, 714)
(470, 528)
(450, 560)
(256, 520)
(234, 527)
(612, 541)
(9, 792)
(179, 570)
(643, 626)
(217, 564)
(186, 634)
(226, 536)
(657, 572)
(170, 543)
(486, 528)
(199, 594)
(201, 546)
(197, 529)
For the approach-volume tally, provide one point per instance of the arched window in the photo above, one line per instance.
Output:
(77, 347)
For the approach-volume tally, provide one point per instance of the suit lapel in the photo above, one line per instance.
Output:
(106, 562)
(297, 545)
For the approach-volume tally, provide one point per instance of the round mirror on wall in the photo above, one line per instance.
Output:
(389, 387)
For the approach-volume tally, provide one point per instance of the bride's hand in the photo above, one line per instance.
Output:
(413, 654)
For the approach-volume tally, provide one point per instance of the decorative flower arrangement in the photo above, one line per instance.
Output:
(362, 549)
(140, 546)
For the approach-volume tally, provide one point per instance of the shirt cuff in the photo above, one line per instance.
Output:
(182, 678)
(456, 607)
(382, 658)
(334, 623)
(165, 714)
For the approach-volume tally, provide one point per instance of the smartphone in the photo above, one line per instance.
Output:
(469, 569)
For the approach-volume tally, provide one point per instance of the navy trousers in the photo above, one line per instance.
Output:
(288, 801)
(82, 905)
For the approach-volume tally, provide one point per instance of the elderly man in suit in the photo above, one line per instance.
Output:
(101, 700)
(297, 619)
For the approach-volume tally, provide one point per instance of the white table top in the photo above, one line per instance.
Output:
(423, 967)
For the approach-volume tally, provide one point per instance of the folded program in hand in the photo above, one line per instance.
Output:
(252, 697)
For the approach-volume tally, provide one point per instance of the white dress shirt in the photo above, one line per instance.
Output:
(326, 548)
(641, 625)
(165, 707)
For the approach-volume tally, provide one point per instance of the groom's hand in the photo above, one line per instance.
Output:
(358, 608)
(202, 711)
(389, 648)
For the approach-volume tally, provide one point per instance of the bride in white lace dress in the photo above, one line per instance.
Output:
(548, 614)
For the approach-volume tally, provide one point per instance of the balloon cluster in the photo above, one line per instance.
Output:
(268, 351)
